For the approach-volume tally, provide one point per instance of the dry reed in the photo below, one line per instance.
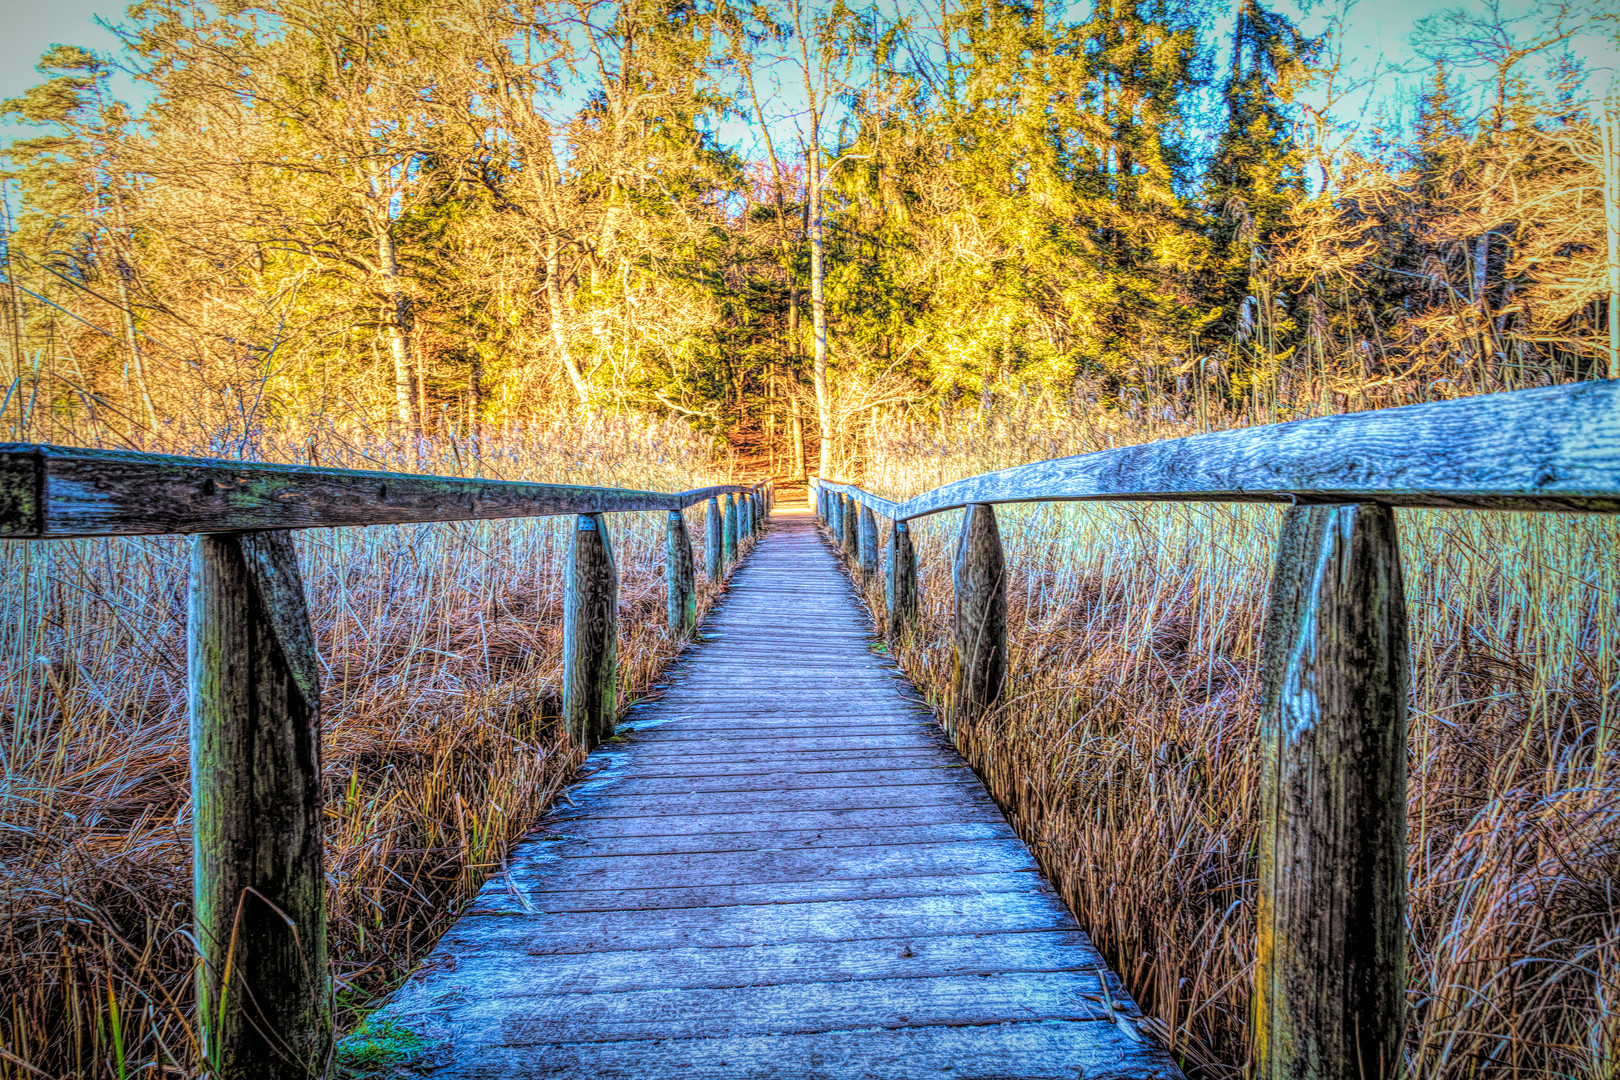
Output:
(441, 657)
(1125, 752)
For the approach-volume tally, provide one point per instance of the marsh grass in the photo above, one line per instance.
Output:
(440, 652)
(1125, 752)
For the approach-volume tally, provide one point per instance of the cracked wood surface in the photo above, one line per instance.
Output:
(781, 870)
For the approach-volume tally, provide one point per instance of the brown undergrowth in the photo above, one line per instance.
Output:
(441, 660)
(1125, 753)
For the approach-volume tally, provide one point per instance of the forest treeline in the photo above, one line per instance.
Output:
(427, 216)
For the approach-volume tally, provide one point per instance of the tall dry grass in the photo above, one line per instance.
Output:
(441, 659)
(1126, 751)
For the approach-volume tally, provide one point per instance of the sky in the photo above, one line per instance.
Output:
(1379, 33)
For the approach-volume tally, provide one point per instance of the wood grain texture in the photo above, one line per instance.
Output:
(258, 885)
(868, 546)
(782, 869)
(1554, 448)
(979, 642)
(1331, 970)
(590, 697)
(714, 550)
(849, 530)
(900, 591)
(680, 575)
(729, 520)
(54, 492)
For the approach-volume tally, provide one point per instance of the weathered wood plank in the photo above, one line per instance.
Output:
(55, 492)
(784, 893)
(1554, 448)
(925, 832)
(1331, 971)
(900, 592)
(794, 1009)
(714, 550)
(943, 792)
(680, 576)
(868, 546)
(1054, 1050)
(258, 883)
(979, 645)
(590, 697)
(494, 969)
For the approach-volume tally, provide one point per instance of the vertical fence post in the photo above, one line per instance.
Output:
(850, 526)
(979, 650)
(745, 514)
(731, 528)
(900, 581)
(259, 887)
(868, 546)
(1330, 998)
(590, 634)
(714, 561)
(679, 573)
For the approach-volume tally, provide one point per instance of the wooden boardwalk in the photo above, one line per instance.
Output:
(783, 871)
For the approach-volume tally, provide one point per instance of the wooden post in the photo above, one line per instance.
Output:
(849, 523)
(679, 573)
(731, 528)
(258, 883)
(1330, 1001)
(745, 515)
(714, 562)
(979, 653)
(868, 545)
(900, 581)
(590, 678)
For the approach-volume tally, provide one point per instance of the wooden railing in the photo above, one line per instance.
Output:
(1330, 982)
(264, 999)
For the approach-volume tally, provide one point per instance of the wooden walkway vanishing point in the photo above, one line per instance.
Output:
(782, 870)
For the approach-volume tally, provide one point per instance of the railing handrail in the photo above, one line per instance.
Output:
(63, 492)
(1552, 448)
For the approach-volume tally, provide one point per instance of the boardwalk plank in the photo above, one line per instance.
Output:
(781, 869)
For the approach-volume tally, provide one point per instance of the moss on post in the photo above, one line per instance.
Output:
(258, 882)
(679, 575)
(714, 550)
(590, 634)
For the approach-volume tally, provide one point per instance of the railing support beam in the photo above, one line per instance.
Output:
(590, 634)
(979, 649)
(258, 883)
(679, 575)
(1330, 998)
(849, 523)
(900, 581)
(714, 553)
(730, 539)
(868, 546)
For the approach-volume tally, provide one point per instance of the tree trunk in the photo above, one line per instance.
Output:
(397, 311)
(559, 333)
(818, 307)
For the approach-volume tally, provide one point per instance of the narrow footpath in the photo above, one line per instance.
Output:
(782, 870)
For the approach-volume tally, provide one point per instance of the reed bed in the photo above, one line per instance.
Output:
(441, 656)
(1125, 752)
